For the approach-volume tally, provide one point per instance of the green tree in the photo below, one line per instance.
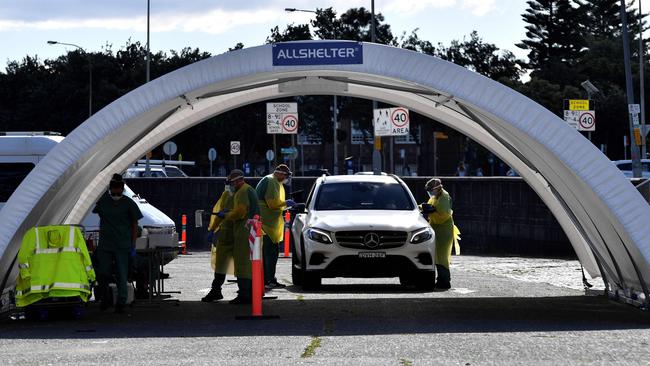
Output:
(481, 57)
(354, 25)
(554, 39)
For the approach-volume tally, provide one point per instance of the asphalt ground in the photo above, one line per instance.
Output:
(501, 311)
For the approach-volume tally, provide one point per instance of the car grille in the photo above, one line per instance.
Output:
(357, 239)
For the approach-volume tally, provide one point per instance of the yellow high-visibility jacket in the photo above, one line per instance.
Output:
(53, 261)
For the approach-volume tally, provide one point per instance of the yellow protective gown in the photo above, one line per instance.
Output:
(223, 229)
(245, 207)
(442, 223)
(272, 202)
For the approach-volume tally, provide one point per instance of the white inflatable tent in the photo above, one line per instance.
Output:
(605, 218)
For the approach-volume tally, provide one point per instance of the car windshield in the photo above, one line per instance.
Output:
(363, 196)
(11, 174)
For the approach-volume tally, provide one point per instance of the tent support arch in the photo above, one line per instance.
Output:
(603, 215)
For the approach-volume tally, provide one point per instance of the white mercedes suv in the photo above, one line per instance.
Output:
(361, 226)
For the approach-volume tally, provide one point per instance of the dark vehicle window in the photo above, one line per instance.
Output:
(628, 166)
(154, 174)
(11, 174)
(363, 196)
(173, 172)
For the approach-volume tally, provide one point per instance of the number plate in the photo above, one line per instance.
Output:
(372, 255)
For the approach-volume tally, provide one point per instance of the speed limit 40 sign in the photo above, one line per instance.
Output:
(391, 121)
(281, 118)
(587, 121)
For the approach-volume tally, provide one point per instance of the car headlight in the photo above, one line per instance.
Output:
(422, 235)
(320, 236)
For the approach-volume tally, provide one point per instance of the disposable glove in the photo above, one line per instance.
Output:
(210, 236)
(290, 203)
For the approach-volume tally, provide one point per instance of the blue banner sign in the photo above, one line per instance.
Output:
(317, 53)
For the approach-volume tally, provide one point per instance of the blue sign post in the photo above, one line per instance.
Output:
(318, 53)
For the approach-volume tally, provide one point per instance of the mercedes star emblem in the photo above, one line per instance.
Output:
(371, 240)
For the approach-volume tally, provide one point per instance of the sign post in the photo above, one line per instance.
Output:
(235, 149)
(169, 148)
(270, 155)
(212, 156)
(580, 114)
(282, 118)
(391, 121)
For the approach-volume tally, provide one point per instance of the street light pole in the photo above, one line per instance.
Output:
(634, 148)
(642, 82)
(292, 10)
(90, 73)
(376, 151)
(335, 118)
(148, 53)
(376, 157)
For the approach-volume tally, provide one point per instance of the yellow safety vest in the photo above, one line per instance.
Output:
(53, 261)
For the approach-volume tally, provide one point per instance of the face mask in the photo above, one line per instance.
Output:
(228, 189)
(287, 182)
(115, 197)
(430, 193)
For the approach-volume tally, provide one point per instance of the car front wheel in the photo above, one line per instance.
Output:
(425, 280)
(311, 281)
(297, 274)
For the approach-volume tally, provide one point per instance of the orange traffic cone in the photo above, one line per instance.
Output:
(287, 233)
(184, 234)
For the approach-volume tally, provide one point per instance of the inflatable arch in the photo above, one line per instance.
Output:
(605, 218)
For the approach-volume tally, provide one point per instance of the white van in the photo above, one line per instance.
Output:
(21, 151)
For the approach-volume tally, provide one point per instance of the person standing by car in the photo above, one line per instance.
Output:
(118, 230)
(245, 207)
(442, 222)
(270, 192)
(225, 242)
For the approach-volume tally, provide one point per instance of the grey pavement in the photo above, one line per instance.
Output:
(501, 311)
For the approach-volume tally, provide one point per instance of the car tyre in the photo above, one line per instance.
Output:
(311, 281)
(426, 281)
(297, 274)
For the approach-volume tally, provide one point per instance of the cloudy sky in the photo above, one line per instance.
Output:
(213, 25)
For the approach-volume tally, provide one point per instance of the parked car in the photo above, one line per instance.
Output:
(626, 167)
(21, 151)
(361, 226)
(312, 173)
(156, 171)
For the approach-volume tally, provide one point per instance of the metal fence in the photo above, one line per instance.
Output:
(496, 216)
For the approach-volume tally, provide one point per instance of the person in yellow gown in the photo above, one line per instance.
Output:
(442, 222)
(245, 208)
(271, 195)
(225, 241)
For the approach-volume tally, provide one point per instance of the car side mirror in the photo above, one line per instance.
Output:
(298, 208)
(427, 209)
